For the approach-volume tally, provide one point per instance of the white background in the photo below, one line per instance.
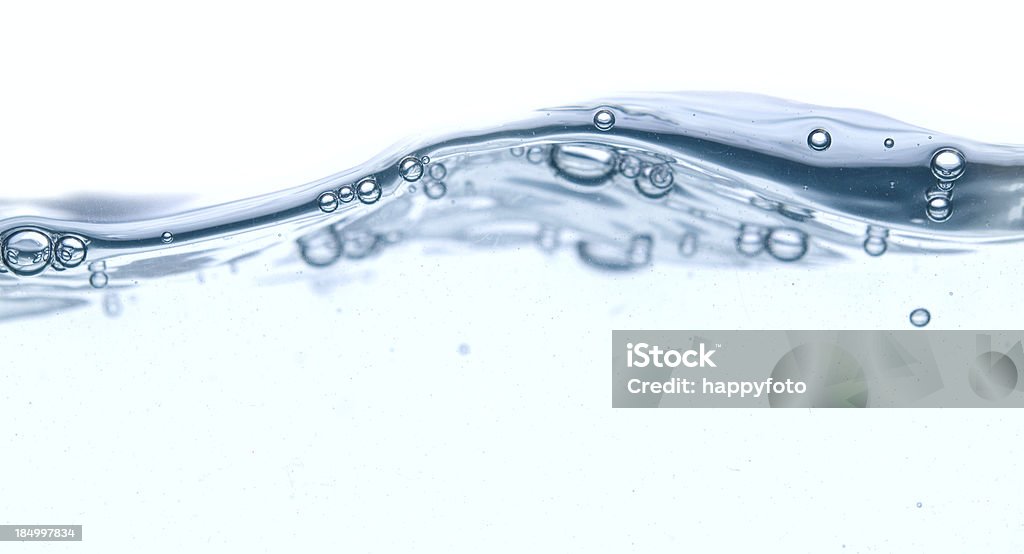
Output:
(337, 414)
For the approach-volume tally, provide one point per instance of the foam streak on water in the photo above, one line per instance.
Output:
(714, 179)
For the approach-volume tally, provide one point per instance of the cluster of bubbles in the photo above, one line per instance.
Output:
(947, 165)
(590, 165)
(785, 244)
(367, 190)
(326, 246)
(98, 274)
(29, 251)
(412, 169)
(875, 244)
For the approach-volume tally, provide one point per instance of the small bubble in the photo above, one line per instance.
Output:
(661, 176)
(425, 160)
(411, 168)
(535, 154)
(875, 246)
(346, 194)
(438, 172)
(688, 245)
(939, 208)
(889, 143)
(411, 189)
(919, 504)
(604, 120)
(750, 242)
(435, 190)
(920, 317)
(517, 151)
(27, 251)
(948, 164)
(463, 349)
(70, 251)
(787, 244)
(167, 237)
(368, 190)
(98, 280)
(629, 166)
(327, 201)
(819, 139)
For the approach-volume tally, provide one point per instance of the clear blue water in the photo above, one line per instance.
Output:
(695, 179)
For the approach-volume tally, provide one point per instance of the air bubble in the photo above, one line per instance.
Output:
(920, 317)
(346, 194)
(438, 172)
(889, 143)
(167, 237)
(69, 251)
(435, 190)
(463, 349)
(517, 151)
(27, 251)
(425, 160)
(948, 164)
(368, 190)
(604, 120)
(411, 168)
(588, 165)
(661, 176)
(98, 279)
(819, 139)
(535, 154)
(750, 242)
(875, 246)
(629, 166)
(327, 201)
(939, 208)
(320, 249)
(787, 244)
